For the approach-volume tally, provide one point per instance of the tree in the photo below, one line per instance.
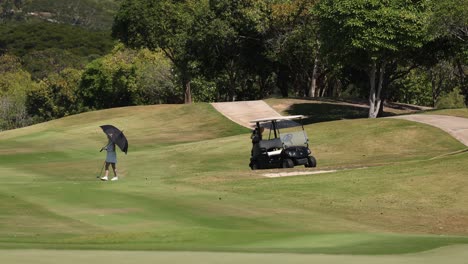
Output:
(293, 45)
(109, 81)
(55, 96)
(155, 79)
(369, 34)
(128, 77)
(449, 23)
(41, 63)
(168, 25)
(14, 84)
(450, 18)
(230, 46)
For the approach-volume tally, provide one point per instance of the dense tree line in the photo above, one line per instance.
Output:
(218, 50)
(385, 50)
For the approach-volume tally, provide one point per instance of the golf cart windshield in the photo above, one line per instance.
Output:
(290, 132)
(298, 138)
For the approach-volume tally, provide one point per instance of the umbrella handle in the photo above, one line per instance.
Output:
(104, 148)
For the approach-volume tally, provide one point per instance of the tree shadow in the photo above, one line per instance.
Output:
(324, 111)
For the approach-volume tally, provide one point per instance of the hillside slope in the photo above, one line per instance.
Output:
(185, 185)
(92, 14)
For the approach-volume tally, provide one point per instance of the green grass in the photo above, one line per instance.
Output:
(456, 254)
(185, 185)
(461, 112)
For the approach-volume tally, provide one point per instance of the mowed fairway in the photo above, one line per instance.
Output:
(186, 186)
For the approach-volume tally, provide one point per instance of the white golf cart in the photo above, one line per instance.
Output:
(283, 149)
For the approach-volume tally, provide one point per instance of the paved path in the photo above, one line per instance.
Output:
(455, 126)
(244, 111)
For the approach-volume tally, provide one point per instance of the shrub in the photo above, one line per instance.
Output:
(454, 99)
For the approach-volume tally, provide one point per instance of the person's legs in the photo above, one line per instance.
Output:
(115, 172)
(114, 169)
(106, 173)
(107, 168)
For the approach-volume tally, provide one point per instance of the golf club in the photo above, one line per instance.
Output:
(99, 176)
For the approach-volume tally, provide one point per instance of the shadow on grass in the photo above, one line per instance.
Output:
(323, 112)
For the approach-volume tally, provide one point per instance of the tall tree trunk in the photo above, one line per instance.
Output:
(188, 91)
(313, 84)
(434, 87)
(324, 91)
(375, 89)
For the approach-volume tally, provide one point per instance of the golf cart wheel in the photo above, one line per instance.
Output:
(288, 163)
(254, 166)
(311, 162)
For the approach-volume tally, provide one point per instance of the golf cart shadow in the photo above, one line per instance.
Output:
(285, 147)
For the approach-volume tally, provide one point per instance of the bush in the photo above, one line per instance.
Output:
(128, 77)
(14, 84)
(454, 99)
(13, 113)
(55, 96)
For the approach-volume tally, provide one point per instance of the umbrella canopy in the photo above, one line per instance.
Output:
(116, 136)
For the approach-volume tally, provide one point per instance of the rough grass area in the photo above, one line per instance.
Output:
(186, 186)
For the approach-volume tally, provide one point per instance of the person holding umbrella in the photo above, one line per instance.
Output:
(111, 159)
(115, 137)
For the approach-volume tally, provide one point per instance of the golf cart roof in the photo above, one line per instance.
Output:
(278, 118)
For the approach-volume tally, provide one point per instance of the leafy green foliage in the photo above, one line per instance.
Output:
(167, 25)
(14, 84)
(369, 35)
(155, 79)
(41, 63)
(107, 84)
(450, 23)
(55, 96)
(231, 50)
(450, 18)
(414, 88)
(373, 29)
(454, 99)
(127, 77)
(241, 50)
(293, 44)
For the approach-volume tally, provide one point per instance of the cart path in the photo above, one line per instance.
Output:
(455, 126)
(243, 112)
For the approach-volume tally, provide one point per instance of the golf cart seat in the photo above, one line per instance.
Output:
(269, 145)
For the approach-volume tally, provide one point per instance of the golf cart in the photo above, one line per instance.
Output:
(283, 149)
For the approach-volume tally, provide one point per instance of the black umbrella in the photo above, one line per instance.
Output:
(116, 136)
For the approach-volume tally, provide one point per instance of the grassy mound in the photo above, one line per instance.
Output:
(185, 185)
